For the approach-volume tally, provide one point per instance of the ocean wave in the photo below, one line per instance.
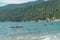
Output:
(32, 37)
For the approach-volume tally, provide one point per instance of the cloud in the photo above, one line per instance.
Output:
(16, 1)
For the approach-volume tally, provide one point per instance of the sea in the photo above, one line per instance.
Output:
(30, 31)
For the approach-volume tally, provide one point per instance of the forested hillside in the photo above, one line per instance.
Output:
(39, 10)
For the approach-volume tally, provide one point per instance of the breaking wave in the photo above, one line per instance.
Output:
(32, 37)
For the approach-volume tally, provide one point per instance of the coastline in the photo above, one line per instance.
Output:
(55, 20)
(48, 20)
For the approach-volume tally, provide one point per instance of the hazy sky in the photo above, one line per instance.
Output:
(5, 2)
(45, 0)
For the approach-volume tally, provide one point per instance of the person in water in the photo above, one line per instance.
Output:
(51, 23)
(45, 24)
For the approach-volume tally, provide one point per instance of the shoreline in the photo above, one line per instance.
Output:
(55, 20)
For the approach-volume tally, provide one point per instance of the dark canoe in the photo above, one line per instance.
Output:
(16, 27)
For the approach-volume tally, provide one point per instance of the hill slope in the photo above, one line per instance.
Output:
(31, 11)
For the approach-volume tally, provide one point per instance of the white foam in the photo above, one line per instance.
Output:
(32, 37)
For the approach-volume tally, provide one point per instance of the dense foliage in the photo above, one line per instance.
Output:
(35, 11)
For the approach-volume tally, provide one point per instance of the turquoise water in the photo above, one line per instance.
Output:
(30, 31)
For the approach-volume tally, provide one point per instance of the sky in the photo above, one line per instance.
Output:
(2, 4)
(5, 2)
(45, 0)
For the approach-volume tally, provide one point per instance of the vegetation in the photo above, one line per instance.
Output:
(33, 12)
